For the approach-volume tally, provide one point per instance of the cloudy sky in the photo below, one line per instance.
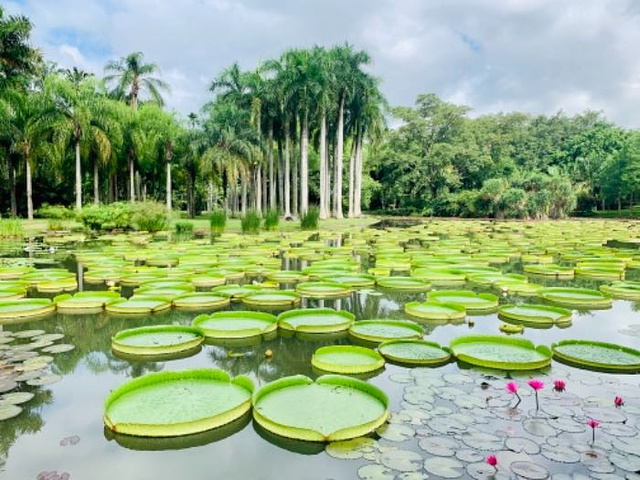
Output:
(538, 56)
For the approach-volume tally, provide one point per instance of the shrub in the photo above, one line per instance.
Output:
(56, 225)
(106, 217)
(10, 227)
(218, 220)
(57, 212)
(271, 219)
(250, 222)
(149, 216)
(309, 220)
(184, 227)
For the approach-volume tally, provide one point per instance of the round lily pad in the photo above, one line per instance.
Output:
(177, 403)
(414, 352)
(323, 289)
(347, 359)
(332, 408)
(406, 284)
(287, 276)
(8, 411)
(576, 297)
(352, 280)
(156, 340)
(444, 467)
(315, 320)
(549, 270)
(599, 356)
(16, 398)
(378, 331)
(627, 290)
(18, 310)
(500, 352)
(473, 302)
(435, 310)
(236, 292)
(236, 324)
(200, 300)
(272, 298)
(534, 314)
(83, 302)
(60, 348)
(139, 305)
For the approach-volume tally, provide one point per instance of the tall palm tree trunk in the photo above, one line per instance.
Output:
(337, 186)
(295, 193)
(287, 174)
(29, 188)
(169, 158)
(280, 174)
(272, 185)
(265, 195)
(304, 165)
(243, 205)
(357, 200)
(323, 166)
(258, 189)
(132, 186)
(352, 166)
(78, 177)
(12, 182)
(96, 183)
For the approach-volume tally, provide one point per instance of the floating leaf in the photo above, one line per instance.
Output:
(351, 449)
(444, 467)
(396, 432)
(375, 472)
(60, 348)
(441, 446)
(529, 470)
(401, 460)
(8, 411)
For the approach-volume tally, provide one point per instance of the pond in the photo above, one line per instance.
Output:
(444, 421)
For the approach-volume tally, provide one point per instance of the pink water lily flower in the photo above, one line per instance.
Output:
(512, 387)
(492, 460)
(618, 401)
(536, 385)
(593, 424)
(559, 385)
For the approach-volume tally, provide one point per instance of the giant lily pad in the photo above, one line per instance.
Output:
(599, 356)
(323, 289)
(627, 290)
(332, 408)
(406, 284)
(576, 297)
(85, 302)
(169, 404)
(549, 270)
(157, 340)
(347, 359)
(237, 324)
(473, 302)
(315, 320)
(534, 314)
(378, 331)
(500, 352)
(414, 352)
(17, 310)
(435, 310)
(200, 300)
(139, 305)
(236, 292)
(272, 298)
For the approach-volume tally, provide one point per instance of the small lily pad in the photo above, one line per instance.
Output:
(8, 411)
(61, 348)
(529, 470)
(44, 380)
(401, 460)
(16, 398)
(444, 467)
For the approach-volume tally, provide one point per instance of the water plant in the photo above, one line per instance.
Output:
(536, 385)
(593, 424)
(512, 387)
(10, 228)
(184, 228)
(250, 222)
(309, 220)
(218, 220)
(271, 219)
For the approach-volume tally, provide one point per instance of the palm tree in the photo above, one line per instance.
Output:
(17, 58)
(132, 77)
(28, 138)
(79, 116)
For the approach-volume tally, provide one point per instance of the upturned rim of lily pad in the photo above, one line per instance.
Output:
(157, 349)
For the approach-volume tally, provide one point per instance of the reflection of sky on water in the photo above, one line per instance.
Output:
(91, 371)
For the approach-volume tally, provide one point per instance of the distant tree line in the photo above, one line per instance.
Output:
(308, 128)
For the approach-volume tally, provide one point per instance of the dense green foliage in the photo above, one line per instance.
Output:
(218, 220)
(271, 219)
(282, 137)
(147, 216)
(184, 227)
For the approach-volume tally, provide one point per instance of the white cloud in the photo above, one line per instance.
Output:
(535, 55)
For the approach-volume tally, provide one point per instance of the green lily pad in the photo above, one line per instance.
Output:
(315, 320)
(347, 359)
(444, 467)
(414, 352)
(236, 292)
(549, 270)
(139, 305)
(24, 308)
(323, 289)
(435, 310)
(60, 348)
(500, 352)
(200, 300)
(576, 297)
(534, 314)
(83, 302)
(331, 408)
(9, 411)
(473, 302)
(177, 403)
(272, 298)
(236, 324)
(626, 290)
(406, 284)
(378, 331)
(156, 340)
(598, 356)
